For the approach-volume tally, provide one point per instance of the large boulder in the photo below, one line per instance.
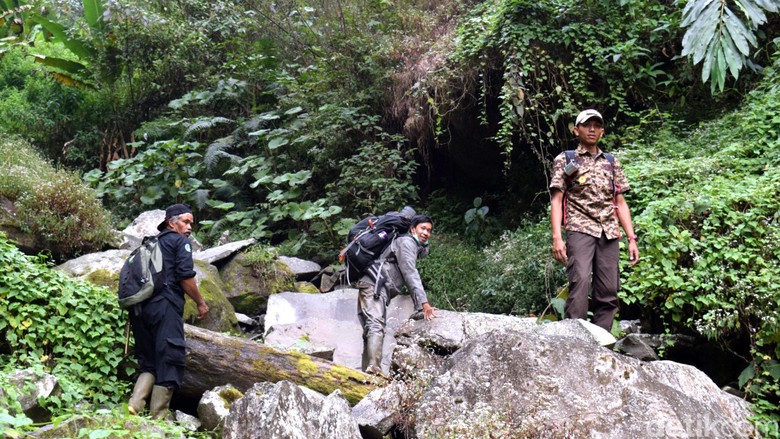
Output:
(248, 284)
(214, 406)
(224, 251)
(28, 243)
(287, 411)
(146, 225)
(447, 333)
(329, 320)
(31, 388)
(100, 268)
(221, 316)
(509, 383)
(302, 269)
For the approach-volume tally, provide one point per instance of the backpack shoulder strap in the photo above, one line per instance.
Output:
(611, 159)
(571, 155)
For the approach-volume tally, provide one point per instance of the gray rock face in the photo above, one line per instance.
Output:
(286, 411)
(581, 329)
(214, 406)
(247, 289)
(221, 316)
(329, 320)
(303, 269)
(510, 383)
(31, 389)
(377, 413)
(86, 267)
(146, 225)
(450, 330)
(216, 254)
(636, 346)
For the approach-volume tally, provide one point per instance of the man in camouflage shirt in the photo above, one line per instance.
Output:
(589, 201)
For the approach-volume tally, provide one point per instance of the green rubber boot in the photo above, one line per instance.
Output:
(372, 352)
(141, 391)
(161, 400)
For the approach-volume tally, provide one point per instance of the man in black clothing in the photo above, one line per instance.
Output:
(158, 323)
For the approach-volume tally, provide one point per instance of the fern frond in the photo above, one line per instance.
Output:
(205, 123)
(201, 196)
(217, 150)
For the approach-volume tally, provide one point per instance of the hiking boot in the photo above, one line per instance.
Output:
(141, 391)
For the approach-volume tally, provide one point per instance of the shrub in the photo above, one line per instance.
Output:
(66, 214)
(450, 272)
(517, 273)
(52, 204)
(62, 326)
(708, 221)
(21, 168)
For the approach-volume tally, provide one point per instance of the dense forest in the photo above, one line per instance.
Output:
(289, 121)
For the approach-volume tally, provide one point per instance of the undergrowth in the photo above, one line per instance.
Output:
(706, 201)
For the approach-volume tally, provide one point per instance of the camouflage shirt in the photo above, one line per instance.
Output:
(589, 202)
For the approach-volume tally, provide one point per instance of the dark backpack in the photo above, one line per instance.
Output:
(142, 274)
(368, 239)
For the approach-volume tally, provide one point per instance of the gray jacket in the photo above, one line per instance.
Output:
(398, 267)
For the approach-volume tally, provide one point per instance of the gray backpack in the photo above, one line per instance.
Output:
(142, 274)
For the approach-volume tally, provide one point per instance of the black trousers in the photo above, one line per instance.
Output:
(159, 341)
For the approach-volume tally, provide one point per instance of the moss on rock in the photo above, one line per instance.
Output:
(249, 283)
(105, 278)
(306, 287)
(222, 315)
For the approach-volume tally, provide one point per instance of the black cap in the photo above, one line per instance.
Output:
(172, 211)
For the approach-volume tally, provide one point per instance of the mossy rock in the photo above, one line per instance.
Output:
(105, 278)
(100, 268)
(222, 315)
(248, 285)
(306, 287)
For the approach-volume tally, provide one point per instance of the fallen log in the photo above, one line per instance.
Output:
(215, 359)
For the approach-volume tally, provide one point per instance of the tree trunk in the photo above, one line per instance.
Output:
(215, 359)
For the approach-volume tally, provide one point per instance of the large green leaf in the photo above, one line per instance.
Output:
(704, 30)
(59, 31)
(693, 9)
(734, 59)
(740, 34)
(60, 63)
(720, 37)
(754, 12)
(93, 12)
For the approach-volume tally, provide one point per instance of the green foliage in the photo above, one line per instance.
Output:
(517, 274)
(40, 110)
(161, 174)
(708, 221)
(544, 61)
(377, 178)
(21, 169)
(66, 215)
(54, 205)
(722, 38)
(451, 272)
(66, 327)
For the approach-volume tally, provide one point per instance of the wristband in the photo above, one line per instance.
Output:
(632, 238)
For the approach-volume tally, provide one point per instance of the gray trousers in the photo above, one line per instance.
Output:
(372, 312)
(597, 259)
